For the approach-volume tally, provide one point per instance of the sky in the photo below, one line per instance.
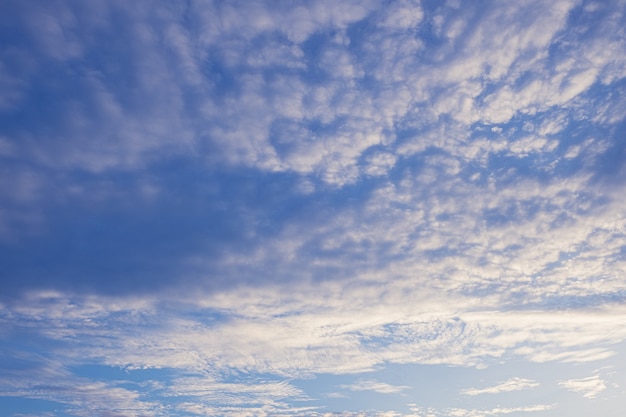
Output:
(312, 208)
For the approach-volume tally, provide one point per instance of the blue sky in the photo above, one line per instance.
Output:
(332, 209)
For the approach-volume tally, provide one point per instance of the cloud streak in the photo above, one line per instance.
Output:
(513, 384)
(375, 386)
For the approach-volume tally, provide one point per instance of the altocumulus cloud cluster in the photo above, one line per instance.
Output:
(283, 208)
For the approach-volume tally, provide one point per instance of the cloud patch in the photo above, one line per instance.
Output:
(589, 387)
(375, 386)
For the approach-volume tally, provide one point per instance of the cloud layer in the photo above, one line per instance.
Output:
(205, 205)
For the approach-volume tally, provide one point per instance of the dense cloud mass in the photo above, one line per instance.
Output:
(277, 208)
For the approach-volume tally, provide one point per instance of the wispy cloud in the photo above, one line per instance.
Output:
(300, 332)
(461, 412)
(589, 387)
(498, 411)
(513, 384)
(375, 386)
(50, 381)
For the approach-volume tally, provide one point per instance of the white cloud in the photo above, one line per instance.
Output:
(522, 147)
(371, 385)
(337, 328)
(298, 330)
(402, 15)
(589, 387)
(458, 412)
(500, 67)
(513, 384)
(50, 381)
(379, 163)
(257, 393)
(461, 412)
